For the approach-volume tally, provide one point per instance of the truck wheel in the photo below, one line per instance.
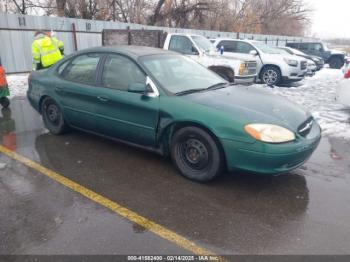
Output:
(5, 102)
(52, 117)
(336, 63)
(196, 154)
(271, 75)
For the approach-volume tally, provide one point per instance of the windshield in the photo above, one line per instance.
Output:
(177, 73)
(267, 49)
(325, 47)
(203, 43)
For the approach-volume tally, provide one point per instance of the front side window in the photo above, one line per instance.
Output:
(120, 72)
(178, 73)
(181, 44)
(82, 69)
(316, 47)
(244, 48)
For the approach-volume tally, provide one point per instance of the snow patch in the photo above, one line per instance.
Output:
(18, 84)
(317, 95)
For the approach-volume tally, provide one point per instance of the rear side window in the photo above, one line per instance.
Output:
(303, 46)
(229, 46)
(82, 69)
(293, 45)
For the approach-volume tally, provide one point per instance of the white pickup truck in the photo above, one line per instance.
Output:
(241, 70)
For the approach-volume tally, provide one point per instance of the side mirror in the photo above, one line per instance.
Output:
(254, 53)
(139, 88)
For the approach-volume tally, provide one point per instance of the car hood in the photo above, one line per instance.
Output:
(338, 52)
(252, 105)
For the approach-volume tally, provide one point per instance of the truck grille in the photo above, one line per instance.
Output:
(305, 128)
(303, 65)
(251, 67)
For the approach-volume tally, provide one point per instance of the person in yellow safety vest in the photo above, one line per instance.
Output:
(46, 50)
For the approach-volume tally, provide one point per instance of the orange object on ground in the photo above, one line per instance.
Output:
(10, 141)
(3, 81)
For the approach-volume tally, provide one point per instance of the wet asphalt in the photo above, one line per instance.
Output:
(304, 212)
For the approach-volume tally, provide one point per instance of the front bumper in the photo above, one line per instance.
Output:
(293, 74)
(271, 159)
(245, 79)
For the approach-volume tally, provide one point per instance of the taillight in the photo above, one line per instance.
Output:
(347, 74)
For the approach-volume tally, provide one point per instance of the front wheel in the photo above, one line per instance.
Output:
(52, 117)
(336, 63)
(271, 76)
(5, 102)
(196, 154)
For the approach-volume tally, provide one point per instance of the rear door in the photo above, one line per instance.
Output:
(76, 91)
(122, 114)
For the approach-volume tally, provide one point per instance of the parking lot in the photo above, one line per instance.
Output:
(303, 212)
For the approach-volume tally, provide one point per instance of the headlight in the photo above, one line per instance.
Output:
(291, 62)
(242, 69)
(269, 133)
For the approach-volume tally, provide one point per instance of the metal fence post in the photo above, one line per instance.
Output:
(74, 32)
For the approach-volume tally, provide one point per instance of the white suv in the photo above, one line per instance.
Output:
(274, 66)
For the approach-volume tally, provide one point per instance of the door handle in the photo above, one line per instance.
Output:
(102, 98)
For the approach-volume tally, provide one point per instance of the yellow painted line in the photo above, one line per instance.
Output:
(115, 207)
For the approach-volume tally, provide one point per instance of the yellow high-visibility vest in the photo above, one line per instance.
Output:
(47, 50)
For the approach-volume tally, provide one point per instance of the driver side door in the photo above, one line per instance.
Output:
(123, 114)
(183, 45)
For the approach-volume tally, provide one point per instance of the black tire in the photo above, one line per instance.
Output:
(336, 63)
(5, 102)
(196, 154)
(271, 75)
(53, 117)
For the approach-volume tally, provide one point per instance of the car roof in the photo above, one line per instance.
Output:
(129, 50)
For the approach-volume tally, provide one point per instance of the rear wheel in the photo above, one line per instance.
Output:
(5, 102)
(196, 154)
(271, 75)
(336, 63)
(52, 117)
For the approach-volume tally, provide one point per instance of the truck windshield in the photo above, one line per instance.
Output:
(203, 43)
(177, 74)
(325, 47)
(266, 48)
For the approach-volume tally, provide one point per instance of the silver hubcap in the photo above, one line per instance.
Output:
(270, 77)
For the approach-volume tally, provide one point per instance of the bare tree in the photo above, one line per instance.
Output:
(246, 16)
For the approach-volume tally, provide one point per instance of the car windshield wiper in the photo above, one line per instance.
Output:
(218, 86)
(190, 91)
(213, 87)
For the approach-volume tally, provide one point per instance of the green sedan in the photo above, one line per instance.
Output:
(169, 104)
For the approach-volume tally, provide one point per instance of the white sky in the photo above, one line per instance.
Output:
(330, 18)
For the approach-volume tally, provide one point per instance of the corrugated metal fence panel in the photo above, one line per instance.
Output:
(15, 44)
